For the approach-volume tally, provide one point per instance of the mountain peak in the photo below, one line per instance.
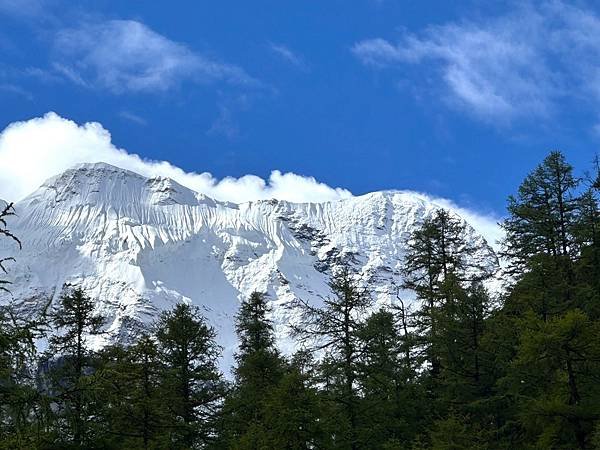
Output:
(137, 245)
(102, 183)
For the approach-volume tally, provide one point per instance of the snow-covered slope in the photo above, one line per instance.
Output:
(138, 245)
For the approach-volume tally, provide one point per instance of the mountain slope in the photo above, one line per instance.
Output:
(138, 245)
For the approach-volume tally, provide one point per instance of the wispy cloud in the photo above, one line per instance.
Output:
(510, 67)
(224, 124)
(127, 56)
(70, 74)
(16, 90)
(21, 8)
(289, 56)
(132, 117)
(228, 106)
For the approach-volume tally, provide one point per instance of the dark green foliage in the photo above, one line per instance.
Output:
(438, 264)
(543, 215)
(335, 330)
(273, 403)
(19, 399)
(135, 414)
(293, 412)
(72, 376)
(192, 386)
(392, 403)
(554, 377)
(258, 371)
(551, 378)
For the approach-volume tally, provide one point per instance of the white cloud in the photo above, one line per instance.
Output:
(34, 150)
(16, 90)
(513, 66)
(37, 149)
(288, 55)
(132, 117)
(126, 55)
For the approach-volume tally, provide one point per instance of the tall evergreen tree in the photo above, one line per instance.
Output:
(548, 237)
(393, 405)
(542, 214)
(294, 411)
(438, 262)
(333, 329)
(258, 371)
(19, 398)
(555, 378)
(462, 324)
(540, 243)
(71, 363)
(587, 267)
(134, 414)
(193, 387)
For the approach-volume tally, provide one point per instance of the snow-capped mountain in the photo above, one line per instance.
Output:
(138, 245)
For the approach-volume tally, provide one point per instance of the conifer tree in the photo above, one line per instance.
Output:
(462, 324)
(19, 399)
(543, 213)
(587, 267)
(554, 376)
(259, 362)
(293, 412)
(16, 353)
(71, 364)
(438, 262)
(540, 243)
(134, 414)
(193, 387)
(259, 369)
(392, 411)
(549, 235)
(334, 330)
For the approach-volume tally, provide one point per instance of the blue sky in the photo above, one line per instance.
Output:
(456, 99)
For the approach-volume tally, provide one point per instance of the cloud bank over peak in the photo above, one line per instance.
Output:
(34, 150)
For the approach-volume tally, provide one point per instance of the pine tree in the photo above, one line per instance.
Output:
(551, 307)
(19, 399)
(555, 379)
(293, 411)
(540, 243)
(72, 368)
(259, 369)
(438, 262)
(392, 403)
(193, 387)
(334, 330)
(21, 404)
(587, 266)
(462, 324)
(134, 414)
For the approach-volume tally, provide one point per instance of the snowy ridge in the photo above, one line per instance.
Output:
(138, 245)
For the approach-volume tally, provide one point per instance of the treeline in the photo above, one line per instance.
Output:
(456, 370)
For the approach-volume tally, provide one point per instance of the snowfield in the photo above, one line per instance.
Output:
(139, 245)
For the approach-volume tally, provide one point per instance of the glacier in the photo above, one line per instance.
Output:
(139, 245)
